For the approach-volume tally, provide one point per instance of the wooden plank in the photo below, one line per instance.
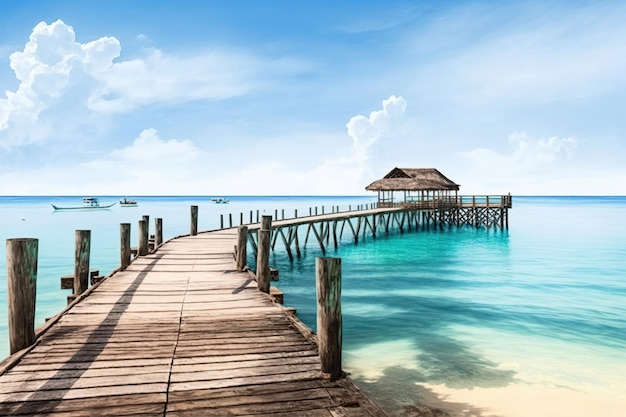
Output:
(182, 324)
(134, 404)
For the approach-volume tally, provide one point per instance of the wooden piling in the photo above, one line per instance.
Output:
(242, 245)
(194, 221)
(230, 219)
(240, 218)
(263, 255)
(146, 219)
(221, 221)
(158, 232)
(329, 332)
(22, 290)
(82, 250)
(142, 248)
(124, 245)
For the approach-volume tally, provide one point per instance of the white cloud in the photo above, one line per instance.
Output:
(527, 154)
(158, 77)
(44, 69)
(59, 78)
(150, 165)
(542, 151)
(149, 159)
(528, 161)
(365, 131)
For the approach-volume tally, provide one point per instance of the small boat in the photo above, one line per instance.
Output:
(220, 200)
(89, 203)
(127, 202)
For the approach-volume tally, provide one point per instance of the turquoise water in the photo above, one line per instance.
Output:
(478, 323)
(526, 322)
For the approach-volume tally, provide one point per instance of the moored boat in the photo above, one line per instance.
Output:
(89, 203)
(127, 202)
(220, 200)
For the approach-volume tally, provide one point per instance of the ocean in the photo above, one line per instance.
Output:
(472, 322)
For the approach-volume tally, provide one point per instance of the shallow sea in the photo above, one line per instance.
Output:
(529, 322)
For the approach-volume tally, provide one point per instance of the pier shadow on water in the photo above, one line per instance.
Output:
(398, 392)
(383, 306)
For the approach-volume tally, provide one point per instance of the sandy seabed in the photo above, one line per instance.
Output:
(524, 400)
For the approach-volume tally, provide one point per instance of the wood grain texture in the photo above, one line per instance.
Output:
(179, 332)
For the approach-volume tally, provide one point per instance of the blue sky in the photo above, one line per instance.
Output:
(310, 97)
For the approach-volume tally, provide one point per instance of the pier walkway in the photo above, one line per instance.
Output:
(179, 333)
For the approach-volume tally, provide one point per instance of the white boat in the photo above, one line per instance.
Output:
(220, 200)
(89, 203)
(127, 202)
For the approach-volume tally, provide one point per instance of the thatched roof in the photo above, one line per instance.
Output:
(413, 179)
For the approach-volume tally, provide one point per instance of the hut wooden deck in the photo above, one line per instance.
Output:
(179, 333)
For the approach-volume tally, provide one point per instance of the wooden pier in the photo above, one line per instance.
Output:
(328, 229)
(179, 332)
(183, 329)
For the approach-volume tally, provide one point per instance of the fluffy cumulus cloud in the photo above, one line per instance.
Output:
(365, 131)
(531, 153)
(60, 77)
(45, 68)
(352, 166)
(149, 165)
(527, 163)
(147, 150)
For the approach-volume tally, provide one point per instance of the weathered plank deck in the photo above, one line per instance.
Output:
(179, 333)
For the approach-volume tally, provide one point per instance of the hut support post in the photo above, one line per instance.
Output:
(22, 289)
(329, 322)
(263, 255)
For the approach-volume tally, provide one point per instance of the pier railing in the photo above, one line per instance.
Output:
(446, 203)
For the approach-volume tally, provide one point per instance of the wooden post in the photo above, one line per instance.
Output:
(295, 213)
(250, 216)
(242, 244)
(194, 221)
(240, 218)
(282, 214)
(146, 219)
(124, 245)
(22, 286)
(221, 221)
(263, 255)
(257, 216)
(142, 249)
(81, 261)
(158, 232)
(230, 219)
(276, 214)
(329, 333)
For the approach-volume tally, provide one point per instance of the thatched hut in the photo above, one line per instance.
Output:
(417, 185)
